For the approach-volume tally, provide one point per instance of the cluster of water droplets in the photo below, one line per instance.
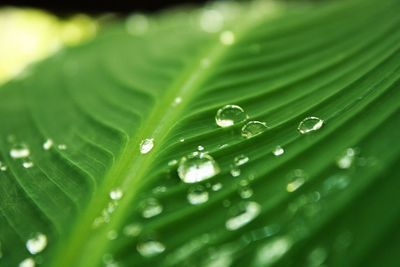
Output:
(35, 245)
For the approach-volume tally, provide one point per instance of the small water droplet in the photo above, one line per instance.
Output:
(200, 148)
(48, 144)
(62, 146)
(310, 124)
(150, 248)
(240, 160)
(197, 167)
(278, 151)
(37, 243)
(250, 212)
(197, 195)
(227, 38)
(116, 194)
(112, 235)
(20, 151)
(29, 262)
(3, 167)
(132, 230)
(272, 251)
(317, 257)
(253, 128)
(172, 163)
(27, 164)
(146, 145)
(137, 24)
(211, 20)
(230, 115)
(346, 159)
(216, 187)
(235, 172)
(177, 101)
(296, 179)
(151, 207)
(245, 192)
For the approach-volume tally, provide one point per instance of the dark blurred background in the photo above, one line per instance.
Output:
(99, 6)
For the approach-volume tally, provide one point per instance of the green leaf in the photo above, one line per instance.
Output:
(329, 198)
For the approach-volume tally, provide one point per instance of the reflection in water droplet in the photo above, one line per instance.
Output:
(19, 151)
(227, 38)
(116, 194)
(310, 124)
(278, 151)
(272, 251)
(27, 164)
(132, 230)
(211, 21)
(240, 160)
(150, 248)
(151, 207)
(253, 128)
(230, 115)
(250, 212)
(296, 179)
(48, 144)
(137, 24)
(146, 145)
(197, 167)
(197, 195)
(29, 262)
(346, 159)
(36, 244)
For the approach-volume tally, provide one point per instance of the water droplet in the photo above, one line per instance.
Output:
(216, 187)
(182, 140)
(3, 167)
(132, 230)
(197, 195)
(62, 146)
(150, 248)
(278, 151)
(296, 179)
(317, 257)
(116, 194)
(272, 251)
(172, 163)
(240, 160)
(48, 144)
(310, 124)
(37, 243)
(253, 128)
(346, 159)
(250, 212)
(146, 145)
(151, 207)
(200, 148)
(27, 164)
(29, 262)
(112, 235)
(335, 183)
(197, 167)
(245, 192)
(19, 151)
(235, 172)
(137, 24)
(227, 38)
(177, 101)
(109, 261)
(229, 115)
(211, 21)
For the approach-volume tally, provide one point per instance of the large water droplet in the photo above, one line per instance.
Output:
(253, 128)
(278, 151)
(146, 145)
(346, 159)
(197, 167)
(150, 248)
(310, 124)
(151, 207)
(227, 38)
(296, 179)
(197, 195)
(229, 115)
(19, 151)
(37, 243)
(29, 262)
(48, 144)
(250, 212)
(116, 194)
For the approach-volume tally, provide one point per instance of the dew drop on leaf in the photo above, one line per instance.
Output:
(37, 243)
(235, 172)
(197, 195)
(150, 248)
(245, 192)
(240, 160)
(137, 24)
(296, 179)
(132, 229)
(211, 20)
(227, 38)
(3, 167)
(48, 144)
(216, 187)
(310, 124)
(346, 159)
(20, 151)
(62, 146)
(146, 145)
(249, 213)
(116, 194)
(29, 262)
(197, 167)
(278, 151)
(151, 207)
(27, 164)
(230, 115)
(253, 128)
